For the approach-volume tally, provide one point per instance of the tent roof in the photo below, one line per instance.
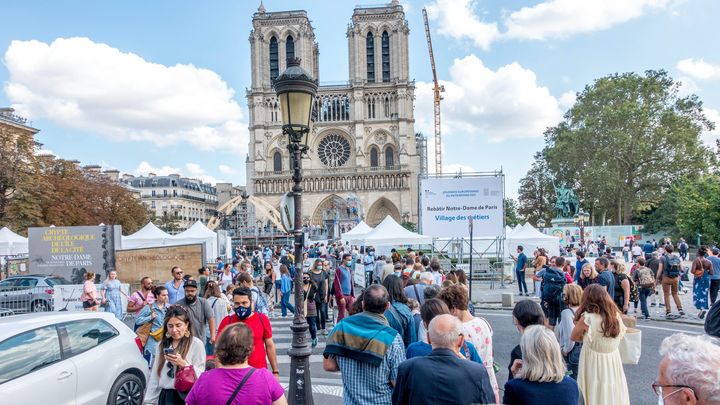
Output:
(149, 231)
(529, 232)
(197, 230)
(360, 229)
(6, 235)
(389, 232)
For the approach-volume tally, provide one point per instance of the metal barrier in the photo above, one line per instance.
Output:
(20, 299)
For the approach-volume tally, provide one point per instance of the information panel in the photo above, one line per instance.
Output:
(446, 204)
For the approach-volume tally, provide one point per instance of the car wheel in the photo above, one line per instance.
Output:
(128, 389)
(40, 306)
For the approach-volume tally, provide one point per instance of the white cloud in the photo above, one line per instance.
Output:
(496, 104)
(457, 19)
(225, 169)
(191, 170)
(699, 69)
(563, 18)
(567, 99)
(549, 19)
(94, 87)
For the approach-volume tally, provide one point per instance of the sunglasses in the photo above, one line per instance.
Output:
(171, 370)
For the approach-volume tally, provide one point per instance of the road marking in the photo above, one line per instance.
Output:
(336, 391)
(328, 381)
(673, 330)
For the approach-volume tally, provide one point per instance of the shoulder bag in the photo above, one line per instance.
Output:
(631, 346)
(239, 387)
(185, 378)
(143, 331)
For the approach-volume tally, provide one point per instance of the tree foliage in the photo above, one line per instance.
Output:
(512, 217)
(626, 140)
(536, 194)
(698, 209)
(43, 191)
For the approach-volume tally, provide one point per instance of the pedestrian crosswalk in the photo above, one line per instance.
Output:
(322, 382)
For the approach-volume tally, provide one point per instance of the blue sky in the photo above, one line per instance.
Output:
(142, 86)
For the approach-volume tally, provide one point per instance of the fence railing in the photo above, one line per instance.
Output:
(19, 299)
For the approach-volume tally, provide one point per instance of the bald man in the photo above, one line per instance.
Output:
(444, 376)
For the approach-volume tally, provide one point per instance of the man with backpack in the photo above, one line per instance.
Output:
(683, 247)
(645, 280)
(553, 281)
(668, 276)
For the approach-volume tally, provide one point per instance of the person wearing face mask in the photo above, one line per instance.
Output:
(312, 302)
(343, 286)
(688, 370)
(320, 278)
(263, 344)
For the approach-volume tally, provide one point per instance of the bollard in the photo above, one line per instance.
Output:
(507, 300)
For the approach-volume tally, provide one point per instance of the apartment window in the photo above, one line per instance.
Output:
(385, 57)
(370, 56)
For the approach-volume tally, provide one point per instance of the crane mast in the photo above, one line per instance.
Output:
(437, 89)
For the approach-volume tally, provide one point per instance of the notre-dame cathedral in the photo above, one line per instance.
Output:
(364, 158)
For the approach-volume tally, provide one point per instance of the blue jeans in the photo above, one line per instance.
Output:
(312, 324)
(285, 303)
(520, 276)
(644, 294)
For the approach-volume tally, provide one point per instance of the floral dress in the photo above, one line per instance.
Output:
(112, 295)
(478, 332)
(701, 285)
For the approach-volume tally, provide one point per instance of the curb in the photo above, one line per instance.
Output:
(676, 321)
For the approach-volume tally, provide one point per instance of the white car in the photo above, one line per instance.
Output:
(70, 358)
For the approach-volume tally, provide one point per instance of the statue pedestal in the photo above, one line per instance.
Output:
(563, 222)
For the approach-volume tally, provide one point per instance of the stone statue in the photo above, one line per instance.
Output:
(566, 202)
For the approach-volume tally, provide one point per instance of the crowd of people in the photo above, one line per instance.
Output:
(208, 338)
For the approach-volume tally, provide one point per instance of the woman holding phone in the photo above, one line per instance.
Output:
(177, 350)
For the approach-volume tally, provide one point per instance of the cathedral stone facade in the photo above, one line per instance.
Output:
(364, 159)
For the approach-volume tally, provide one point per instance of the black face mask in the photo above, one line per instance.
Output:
(306, 281)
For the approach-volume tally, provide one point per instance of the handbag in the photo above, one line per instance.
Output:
(158, 333)
(143, 331)
(234, 394)
(185, 378)
(631, 346)
(89, 303)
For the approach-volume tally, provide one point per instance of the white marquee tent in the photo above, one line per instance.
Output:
(149, 236)
(355, 235)
(530, 238)
(12, 243)
(199, 233)
(388, 232)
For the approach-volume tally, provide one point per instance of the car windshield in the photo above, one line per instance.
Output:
(56, 281)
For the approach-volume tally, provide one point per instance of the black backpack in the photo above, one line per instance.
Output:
(712, 320)
(672, 266)
(552, 285)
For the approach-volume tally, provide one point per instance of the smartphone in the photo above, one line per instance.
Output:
(169, 350)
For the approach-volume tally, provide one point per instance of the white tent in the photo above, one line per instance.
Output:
(12, 243)
(388, 232)
(199, 233)
(149, 236)
(530, 238)
(355, 235)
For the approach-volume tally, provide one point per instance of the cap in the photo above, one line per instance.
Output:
(191, 284)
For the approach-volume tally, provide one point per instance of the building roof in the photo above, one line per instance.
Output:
(171, 181)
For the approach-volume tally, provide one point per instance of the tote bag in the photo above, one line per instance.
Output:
(631, 346)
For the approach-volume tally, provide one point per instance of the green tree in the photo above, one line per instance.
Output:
(20, 184)
(536, 195)
(626, 140)
(167, 222)
(698, 209)
(410, 226)
(511, 212)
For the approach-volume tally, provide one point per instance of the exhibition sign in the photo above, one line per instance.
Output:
(447, 203)
(66, 297)
(71, 251)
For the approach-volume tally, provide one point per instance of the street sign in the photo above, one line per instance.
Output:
(287, 212)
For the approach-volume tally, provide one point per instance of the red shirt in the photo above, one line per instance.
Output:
(259, 324)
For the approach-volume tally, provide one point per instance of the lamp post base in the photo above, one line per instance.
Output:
(300, 387)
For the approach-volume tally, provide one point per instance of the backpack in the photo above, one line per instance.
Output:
(552, 285)
(672, 266)
(261, 305)
(634, 293)
(645, 277)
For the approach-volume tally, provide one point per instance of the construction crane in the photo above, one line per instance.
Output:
(437, 89)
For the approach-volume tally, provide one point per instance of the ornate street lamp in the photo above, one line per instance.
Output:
(581, 218)
(296, 89)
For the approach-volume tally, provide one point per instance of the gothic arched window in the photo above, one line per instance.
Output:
(385, 57)
(370, 56)
(389, 157)
(274, 66)
(277, 162)
(289, 48)
(373, 157)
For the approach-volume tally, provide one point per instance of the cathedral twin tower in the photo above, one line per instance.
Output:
(363, 161)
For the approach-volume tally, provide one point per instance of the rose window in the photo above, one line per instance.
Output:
(334, 150)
